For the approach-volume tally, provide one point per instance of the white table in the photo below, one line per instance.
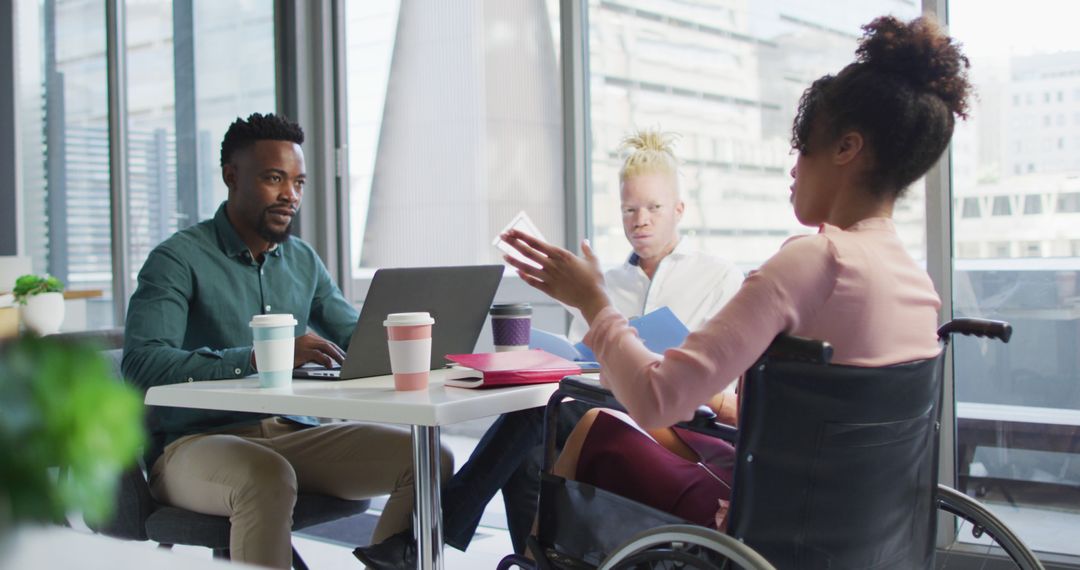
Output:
(370, 400)
(58, 547)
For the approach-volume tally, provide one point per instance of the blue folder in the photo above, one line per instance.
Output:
(659, 330)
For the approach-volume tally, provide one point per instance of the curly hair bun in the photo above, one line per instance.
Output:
(648, 151)
(920, 52)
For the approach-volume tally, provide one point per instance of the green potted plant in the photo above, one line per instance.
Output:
(68, 428)
(42, 300)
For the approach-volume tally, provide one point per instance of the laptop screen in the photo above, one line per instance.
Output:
(458, 298)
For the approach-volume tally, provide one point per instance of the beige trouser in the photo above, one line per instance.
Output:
(251, 474)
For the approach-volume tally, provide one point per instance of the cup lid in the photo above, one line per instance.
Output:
(511, 310)
(273, 320)
(408, 319)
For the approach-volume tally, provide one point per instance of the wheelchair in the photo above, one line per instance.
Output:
(835, 467)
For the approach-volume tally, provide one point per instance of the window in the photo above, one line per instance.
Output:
(455, 125)
(1068, 203)
(1001, 206)
(734, 113)
(971, 208)
(968, 250)
(1008, 453)
(1032, 204)
(1000, 249)
(65, 150)
(181, 96)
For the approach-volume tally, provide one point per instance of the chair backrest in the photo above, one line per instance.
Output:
(133, 503)
(837, 465)
(132, 506)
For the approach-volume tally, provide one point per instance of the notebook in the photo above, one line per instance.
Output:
(458, 298)
(658, 330)
(513, 368)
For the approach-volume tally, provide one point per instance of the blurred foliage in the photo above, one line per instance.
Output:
(30, 285)
(61, 404)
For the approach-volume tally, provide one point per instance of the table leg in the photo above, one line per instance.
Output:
(427, 527)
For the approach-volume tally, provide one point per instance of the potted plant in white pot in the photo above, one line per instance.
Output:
(42, 300)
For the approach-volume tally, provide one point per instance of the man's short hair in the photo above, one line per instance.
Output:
(244, 133)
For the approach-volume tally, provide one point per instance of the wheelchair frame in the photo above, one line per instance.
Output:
(636, 550)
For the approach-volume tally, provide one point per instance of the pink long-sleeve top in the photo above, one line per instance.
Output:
(855, 288)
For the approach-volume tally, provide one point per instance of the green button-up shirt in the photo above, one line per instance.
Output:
(189, 318)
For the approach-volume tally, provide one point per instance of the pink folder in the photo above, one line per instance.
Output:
(513, 368)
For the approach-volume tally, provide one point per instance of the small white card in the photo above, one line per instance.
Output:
(523, 224)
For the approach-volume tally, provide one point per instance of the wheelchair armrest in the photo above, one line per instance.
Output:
(999, 330)
(704, 422)
(788, 347)
(588, 390)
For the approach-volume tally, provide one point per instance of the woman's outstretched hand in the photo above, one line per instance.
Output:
(569, 279)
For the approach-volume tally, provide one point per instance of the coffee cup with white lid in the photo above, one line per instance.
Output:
(274, 337)
(409, 342)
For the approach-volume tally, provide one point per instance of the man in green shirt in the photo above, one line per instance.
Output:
(188, 321)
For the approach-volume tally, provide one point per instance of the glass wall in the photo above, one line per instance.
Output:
(455, 125)
(181, 96)
(726, 75)
(1016, 231)
(64, 147)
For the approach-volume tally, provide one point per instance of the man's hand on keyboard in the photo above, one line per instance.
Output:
(314, 348)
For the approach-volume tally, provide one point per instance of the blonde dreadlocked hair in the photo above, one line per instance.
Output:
(649, 151)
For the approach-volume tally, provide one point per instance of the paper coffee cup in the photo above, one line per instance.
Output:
(274, 338)
(511, 324)
(409, 341)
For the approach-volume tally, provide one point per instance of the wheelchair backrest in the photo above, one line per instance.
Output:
(837, 465)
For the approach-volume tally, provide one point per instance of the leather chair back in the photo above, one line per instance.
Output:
(842, 460)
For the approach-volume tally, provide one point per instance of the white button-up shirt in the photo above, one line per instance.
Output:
(694, 285)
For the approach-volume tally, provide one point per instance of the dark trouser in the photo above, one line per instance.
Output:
(508, 458)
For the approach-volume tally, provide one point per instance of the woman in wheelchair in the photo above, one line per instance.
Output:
(862, 137)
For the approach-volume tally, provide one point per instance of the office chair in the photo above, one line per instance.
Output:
(137, 516)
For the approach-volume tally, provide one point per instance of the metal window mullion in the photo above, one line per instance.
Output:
(939, 264)
(319, 117)
(115, 56)
(341, 146)
(10, 183)
(577, 181)
(577, 177)
(185, 120)
(306, 94)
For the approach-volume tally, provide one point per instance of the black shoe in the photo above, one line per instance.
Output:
(395, 553)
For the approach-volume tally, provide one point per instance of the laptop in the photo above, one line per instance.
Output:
(458, 298)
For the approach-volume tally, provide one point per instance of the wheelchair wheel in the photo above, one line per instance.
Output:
(684, 547)
(972, 516)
